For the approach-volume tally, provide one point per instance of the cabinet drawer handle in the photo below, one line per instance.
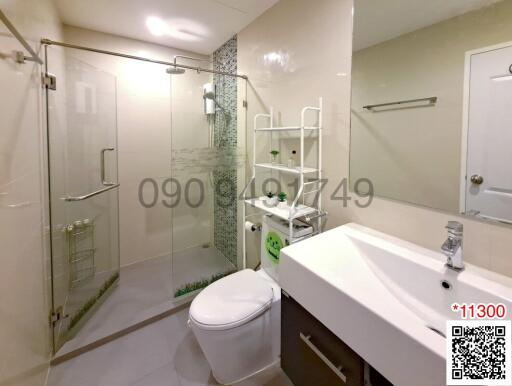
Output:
(335, 370)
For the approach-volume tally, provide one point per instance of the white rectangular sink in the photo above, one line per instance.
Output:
(385, 297)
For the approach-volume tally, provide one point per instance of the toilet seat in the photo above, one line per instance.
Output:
(231, 301)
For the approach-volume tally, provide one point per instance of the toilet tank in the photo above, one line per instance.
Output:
(274, 236)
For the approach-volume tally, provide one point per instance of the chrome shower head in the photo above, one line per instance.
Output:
(175, 70)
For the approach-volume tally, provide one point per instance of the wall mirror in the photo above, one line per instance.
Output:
(431, 114)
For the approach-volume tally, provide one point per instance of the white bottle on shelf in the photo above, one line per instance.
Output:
(291, 160)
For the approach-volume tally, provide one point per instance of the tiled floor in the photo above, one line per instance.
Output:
(164, 353)
(147, 289)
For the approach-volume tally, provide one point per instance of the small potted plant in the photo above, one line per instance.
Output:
(270, 199)
(281, 198)
(274, 153)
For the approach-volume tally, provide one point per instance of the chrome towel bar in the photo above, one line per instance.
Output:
(431, 100)
(92, 194)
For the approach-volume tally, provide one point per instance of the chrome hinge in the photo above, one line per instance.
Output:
(244, 103)
(57, 315)
(50, 81)
(19, 57)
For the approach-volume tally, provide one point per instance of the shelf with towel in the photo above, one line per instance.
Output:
(311, 209)
(285, 213)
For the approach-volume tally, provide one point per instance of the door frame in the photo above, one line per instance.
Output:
(465, 118)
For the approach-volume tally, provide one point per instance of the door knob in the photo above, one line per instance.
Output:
(476, 179)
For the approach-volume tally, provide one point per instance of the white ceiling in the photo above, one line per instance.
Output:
(378, 21)
(204, 25)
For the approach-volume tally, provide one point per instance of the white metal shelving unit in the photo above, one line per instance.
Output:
(295, 210)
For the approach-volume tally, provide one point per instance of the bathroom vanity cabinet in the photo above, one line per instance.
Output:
(312, 355)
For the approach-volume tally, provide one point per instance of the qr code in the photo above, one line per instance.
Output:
(478, 352)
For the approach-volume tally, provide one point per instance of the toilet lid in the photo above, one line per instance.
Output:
(232, 301)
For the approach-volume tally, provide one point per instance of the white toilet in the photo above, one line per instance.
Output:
(236, 320)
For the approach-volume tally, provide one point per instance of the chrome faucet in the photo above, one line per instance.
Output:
(452, 247)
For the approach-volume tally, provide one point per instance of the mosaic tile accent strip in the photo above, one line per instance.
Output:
(225, 137)
(187, 162)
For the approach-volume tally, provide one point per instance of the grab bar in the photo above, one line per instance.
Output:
(431, 100)
(89, 195)
(20, 57)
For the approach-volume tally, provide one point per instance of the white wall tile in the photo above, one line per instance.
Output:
(24, 284)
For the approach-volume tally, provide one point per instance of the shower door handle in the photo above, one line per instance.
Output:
(102, 163)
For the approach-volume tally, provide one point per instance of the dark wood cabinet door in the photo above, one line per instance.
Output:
(311, 355)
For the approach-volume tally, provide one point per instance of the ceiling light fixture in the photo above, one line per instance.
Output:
(181, 29)
(279, 58)
(157, 26)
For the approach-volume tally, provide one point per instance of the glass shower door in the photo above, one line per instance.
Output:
(82, 157)
(208, 165)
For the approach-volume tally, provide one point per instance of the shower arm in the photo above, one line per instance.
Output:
(192, 58)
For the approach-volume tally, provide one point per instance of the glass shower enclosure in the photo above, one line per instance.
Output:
(208, 169)
(82, 175)
(195, 198)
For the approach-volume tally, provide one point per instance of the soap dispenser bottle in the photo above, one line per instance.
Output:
(291, 160)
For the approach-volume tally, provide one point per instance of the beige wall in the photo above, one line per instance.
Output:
(316, 37)
(24, 285)
(144, 123)
(313, 39)
(414, 154)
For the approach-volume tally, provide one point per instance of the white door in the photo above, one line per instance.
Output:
(489, 162)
